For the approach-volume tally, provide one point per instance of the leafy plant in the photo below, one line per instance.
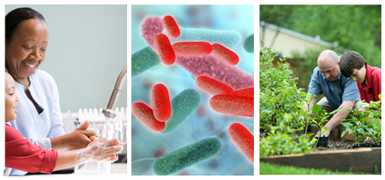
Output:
(364, 126)
(281, 101)
(286, 127)
(283, 121)
(281, 143)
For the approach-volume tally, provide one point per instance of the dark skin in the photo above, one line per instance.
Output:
(65, 159)
(26, 49)
(79, 138)
(24, 52)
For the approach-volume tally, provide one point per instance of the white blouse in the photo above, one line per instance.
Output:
(39, 127)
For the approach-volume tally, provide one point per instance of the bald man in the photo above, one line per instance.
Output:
(338, 91)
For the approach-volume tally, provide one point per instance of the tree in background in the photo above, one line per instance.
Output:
(352, 27)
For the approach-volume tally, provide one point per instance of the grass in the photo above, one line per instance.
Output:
(266, 169)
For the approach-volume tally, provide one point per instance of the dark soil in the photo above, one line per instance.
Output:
(337, 145)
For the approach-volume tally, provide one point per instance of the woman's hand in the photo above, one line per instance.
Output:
(79, 138)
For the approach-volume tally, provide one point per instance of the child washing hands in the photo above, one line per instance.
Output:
(22, 154)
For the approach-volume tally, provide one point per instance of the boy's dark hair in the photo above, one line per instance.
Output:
(17, 16)
(349, 61)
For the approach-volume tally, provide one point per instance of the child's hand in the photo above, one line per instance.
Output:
(362, 106)
(102, 150)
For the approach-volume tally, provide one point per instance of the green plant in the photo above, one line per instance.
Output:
(281, 143)
(365, 125)
(283, 121)
(285, 126)
(281, 101)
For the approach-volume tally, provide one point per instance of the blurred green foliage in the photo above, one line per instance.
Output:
(352, 27)
(302, 65)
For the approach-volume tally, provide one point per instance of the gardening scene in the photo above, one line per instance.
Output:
(320, 89)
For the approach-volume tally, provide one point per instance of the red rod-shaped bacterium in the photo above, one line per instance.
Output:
(171, 26)
(246, 92)
(225, 53)
(213, 86)
(145, 115)
(192, 48)
(242, 138)
(164, 48)
(233, 105)
(211, 65)
(161, 102)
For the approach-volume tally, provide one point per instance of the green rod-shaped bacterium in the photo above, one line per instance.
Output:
(186, 156)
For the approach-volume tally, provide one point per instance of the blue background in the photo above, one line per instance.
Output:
(146, 146)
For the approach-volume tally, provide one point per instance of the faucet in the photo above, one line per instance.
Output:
(108, 112)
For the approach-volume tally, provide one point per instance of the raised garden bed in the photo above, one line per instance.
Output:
(360, 160)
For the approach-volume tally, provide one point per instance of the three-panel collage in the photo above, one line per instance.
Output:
(147, 89)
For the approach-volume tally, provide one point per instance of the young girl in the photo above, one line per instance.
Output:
(22, 154)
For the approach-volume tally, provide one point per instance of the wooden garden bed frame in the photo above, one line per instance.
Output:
(360, 160)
